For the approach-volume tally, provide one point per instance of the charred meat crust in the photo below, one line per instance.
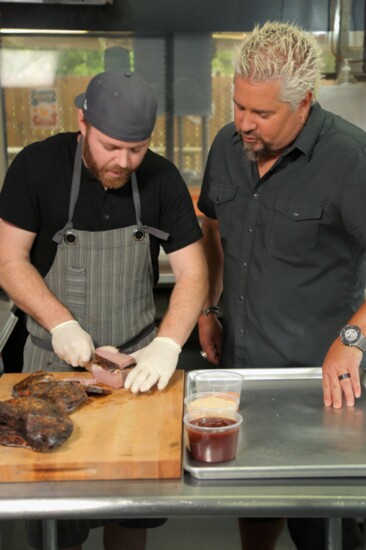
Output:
(108, 362)
(42, 385)
(33, 423)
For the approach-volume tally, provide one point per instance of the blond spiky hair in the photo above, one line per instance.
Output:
(280, 51)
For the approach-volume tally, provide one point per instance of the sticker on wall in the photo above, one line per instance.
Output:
(43, 109)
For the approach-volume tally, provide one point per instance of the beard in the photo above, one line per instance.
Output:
(108, 182)
(264, 152)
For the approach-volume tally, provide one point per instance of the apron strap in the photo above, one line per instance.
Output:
(158, 233)
(75, 186)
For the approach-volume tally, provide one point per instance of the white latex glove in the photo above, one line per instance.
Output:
(72, 344)
(155, 362)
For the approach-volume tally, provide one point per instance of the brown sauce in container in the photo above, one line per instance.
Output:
(213, 446)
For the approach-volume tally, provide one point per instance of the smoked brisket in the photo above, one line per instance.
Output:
(33, 423)
(67, 395)
(109, 366)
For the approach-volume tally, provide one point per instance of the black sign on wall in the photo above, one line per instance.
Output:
(189, 67)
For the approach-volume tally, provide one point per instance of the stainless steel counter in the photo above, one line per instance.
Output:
(333, 494)
(329, 497)
(187, 497)
(184, 498)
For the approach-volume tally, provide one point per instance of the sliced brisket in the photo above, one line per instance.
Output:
(109, 357)
(108, 366)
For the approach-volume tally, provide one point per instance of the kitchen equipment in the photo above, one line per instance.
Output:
(117, 436)
(219, 381)
(287, 432)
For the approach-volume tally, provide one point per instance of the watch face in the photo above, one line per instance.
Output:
(351, 334)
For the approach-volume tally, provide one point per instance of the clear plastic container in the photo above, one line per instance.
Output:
(213, 438)
(219, 381)
(206, 401)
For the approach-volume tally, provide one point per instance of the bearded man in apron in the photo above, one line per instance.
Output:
(82, 219)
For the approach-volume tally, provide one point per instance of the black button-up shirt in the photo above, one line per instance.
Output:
(294, 242)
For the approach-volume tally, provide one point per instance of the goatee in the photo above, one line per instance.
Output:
(266, 152)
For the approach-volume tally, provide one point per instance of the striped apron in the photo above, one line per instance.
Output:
(105, 278)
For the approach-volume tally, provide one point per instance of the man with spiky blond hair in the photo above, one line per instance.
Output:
(283, 199)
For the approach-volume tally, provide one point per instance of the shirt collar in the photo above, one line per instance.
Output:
(309, 135)
(234, 136)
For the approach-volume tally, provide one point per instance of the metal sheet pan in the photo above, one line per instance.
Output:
(287, 432)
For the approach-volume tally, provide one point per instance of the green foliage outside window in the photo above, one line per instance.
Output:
(80, 62)
(90, 62)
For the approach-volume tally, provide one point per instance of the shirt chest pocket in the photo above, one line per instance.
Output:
(294, 226)
(223, 198)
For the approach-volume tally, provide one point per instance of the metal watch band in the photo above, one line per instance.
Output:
(361, 344)
(211, 309)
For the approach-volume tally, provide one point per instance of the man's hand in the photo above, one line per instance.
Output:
(72, 344)
(156, 363)
(341, 360)
(210, 335)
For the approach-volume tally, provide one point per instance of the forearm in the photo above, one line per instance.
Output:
(184, 308)
(27, 289)
(214, 255)
(210, 329)
(186, 299)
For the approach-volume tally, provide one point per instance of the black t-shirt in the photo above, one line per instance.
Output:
(36, 195)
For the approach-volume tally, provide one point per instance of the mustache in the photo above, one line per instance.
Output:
(118, 170)
(250, 134)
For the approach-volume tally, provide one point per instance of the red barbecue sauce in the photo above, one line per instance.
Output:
(215, 446)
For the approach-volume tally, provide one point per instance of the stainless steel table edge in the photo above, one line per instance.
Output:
(296, 373)
(294, 498)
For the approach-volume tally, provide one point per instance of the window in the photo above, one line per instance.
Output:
(191, 75)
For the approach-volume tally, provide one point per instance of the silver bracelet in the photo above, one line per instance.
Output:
(211, 309)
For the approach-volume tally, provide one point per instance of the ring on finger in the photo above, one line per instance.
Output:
(344, 376)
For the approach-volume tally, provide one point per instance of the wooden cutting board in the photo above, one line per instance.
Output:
(117, 436)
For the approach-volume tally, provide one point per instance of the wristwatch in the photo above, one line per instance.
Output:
(351, 335)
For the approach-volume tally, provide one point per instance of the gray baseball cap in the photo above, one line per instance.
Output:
(120, 105)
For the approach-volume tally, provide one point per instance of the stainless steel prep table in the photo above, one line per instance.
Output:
(184, 498)
(331, 497)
